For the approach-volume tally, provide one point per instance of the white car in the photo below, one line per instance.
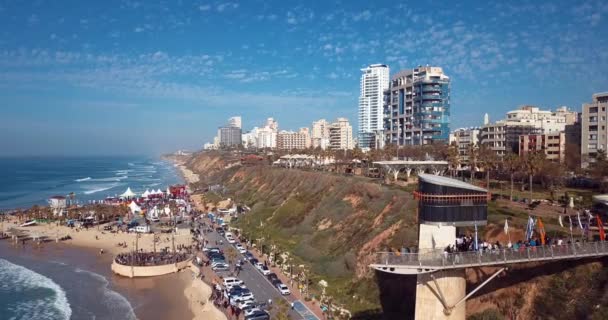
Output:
(251, 311)
(283, 289)
(231, 240)
(246, 304)
(240, 248)
(244, 297)
(264, 270)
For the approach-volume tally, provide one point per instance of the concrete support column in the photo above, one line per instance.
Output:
(433, 290)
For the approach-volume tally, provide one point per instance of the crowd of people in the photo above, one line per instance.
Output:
(466, 243)
(142, 259)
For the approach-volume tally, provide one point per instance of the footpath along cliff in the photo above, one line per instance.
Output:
(333, 223)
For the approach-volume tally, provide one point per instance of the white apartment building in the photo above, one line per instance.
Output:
(374, 81)
(320, 134)
(250, 139)
(464, 138)
(503, 135)
(341, 135)
(235, 122)
(546, 120)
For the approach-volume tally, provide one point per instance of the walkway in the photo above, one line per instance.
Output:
(303, 310)
(414, 263)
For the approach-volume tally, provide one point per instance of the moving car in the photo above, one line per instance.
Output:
(283, 289)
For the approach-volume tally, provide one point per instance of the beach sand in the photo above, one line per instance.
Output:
(188, 175)
(198, 294)
(175, 287)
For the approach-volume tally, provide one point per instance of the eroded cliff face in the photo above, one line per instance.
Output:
(335, 223)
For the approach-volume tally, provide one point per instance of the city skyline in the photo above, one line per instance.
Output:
(104, 79)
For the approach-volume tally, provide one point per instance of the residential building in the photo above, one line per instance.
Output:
(503, 136)
(320, 134)
(250, 139)
(573, 144)
(235, 122)
(594, 123)
(229, 136)
(552, 144)
(463, 138)
(290, 140)
(341, 135)
(417, 110)
(548, 121)
(374, 81)
(266, 138)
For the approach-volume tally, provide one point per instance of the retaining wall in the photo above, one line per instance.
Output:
(148, 271)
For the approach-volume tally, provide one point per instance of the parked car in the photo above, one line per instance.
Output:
(248, 311)
(276, 282)
(231, 282)
(246, 304)
(258, 315)
(264, 270)
(283, 289)
(244, 296)
(272, 276)
(249, 255)
(253, 261)
(240, 248)
(220, 267)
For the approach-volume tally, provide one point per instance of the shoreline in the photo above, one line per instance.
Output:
(194, 292)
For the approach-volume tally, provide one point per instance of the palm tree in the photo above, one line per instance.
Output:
(512, 164)
(533, 163)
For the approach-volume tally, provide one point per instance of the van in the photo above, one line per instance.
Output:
(230, 282)
(140, 229)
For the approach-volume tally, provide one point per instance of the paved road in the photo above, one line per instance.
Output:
(259, 285)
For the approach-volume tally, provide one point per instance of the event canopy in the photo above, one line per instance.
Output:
(146, 193)
(134, 207)
(128, 194)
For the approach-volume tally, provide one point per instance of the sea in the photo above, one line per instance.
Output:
(68, 284)
(33, 180)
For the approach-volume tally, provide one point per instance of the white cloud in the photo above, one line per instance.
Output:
(204, 7)
(362, 16)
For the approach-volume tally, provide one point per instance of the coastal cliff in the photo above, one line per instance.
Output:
(334, 223)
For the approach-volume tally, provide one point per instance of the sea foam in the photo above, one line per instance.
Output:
(112, 299)
(83, 179)
(16, 278)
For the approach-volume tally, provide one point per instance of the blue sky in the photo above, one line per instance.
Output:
(117, 77)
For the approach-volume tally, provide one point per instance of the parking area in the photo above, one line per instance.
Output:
(261, 286)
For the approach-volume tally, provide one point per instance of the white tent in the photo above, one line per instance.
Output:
(159, 192)
(168, 190)
(134, 207)
(146, 193)
(128, 194)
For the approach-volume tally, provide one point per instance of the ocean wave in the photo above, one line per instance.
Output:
(109, 179)
(112, 299)
(15, 278)
(83, 179)
(153, 185)
(101, 188)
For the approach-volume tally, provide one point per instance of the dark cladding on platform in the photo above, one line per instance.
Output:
(450, 202)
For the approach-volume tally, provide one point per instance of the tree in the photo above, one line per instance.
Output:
(231, 254)
(488, 161)
(453, 158)
(280, 308)
(473, 152)
(533, 163)
(512, 164)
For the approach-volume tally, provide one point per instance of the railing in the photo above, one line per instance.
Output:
(439, 260)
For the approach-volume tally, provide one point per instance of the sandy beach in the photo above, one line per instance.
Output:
(188, 175)
(194, 290)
